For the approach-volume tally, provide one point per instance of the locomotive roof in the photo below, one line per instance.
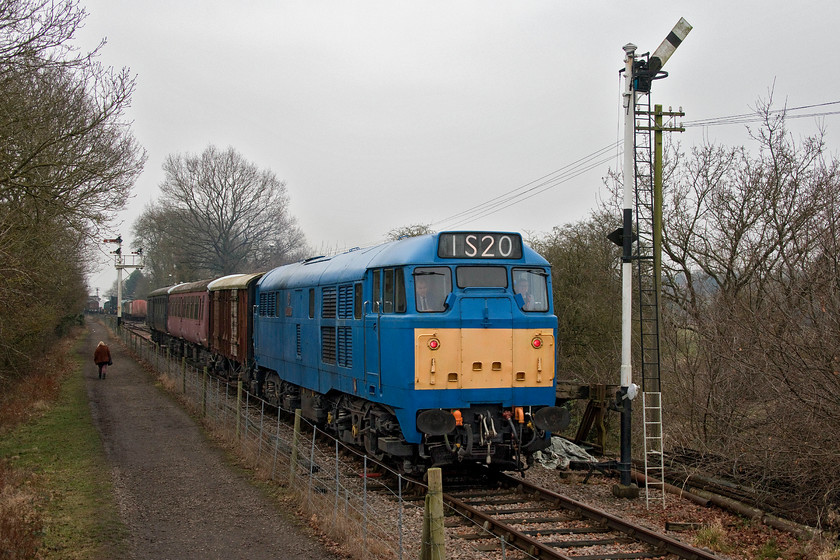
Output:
(351, 266)
(233, 281)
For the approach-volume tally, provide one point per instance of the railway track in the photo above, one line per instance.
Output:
(139, 328)
(502, 513)
(544, 524)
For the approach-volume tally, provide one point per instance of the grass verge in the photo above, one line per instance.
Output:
(56, 492)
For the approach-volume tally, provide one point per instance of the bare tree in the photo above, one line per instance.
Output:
(219, 214)
(67, 163)
(35, 34)
(157, 232)
(586, 284)
(412, 230)
(752, 309)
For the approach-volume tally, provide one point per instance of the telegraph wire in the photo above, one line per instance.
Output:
(532, 188)
(586, 163)
(541, 187)
(756, 116)
(592, 161)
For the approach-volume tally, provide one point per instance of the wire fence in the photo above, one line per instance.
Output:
(371, 510)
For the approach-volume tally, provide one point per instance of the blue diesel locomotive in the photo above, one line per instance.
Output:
(430, 350)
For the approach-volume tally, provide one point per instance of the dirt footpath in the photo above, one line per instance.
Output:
(176, 494)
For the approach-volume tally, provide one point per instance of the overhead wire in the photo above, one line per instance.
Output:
(757, 116)
(597, 158)
(530, 189)
(593, 160)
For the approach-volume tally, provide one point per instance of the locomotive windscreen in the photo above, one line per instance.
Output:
(479, 245)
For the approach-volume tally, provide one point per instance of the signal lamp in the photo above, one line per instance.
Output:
(434, 344)
(537, 342)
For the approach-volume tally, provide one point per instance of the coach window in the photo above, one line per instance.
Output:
(432, 285)
(532, 285)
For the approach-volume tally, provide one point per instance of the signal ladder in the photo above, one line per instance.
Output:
(647, 263)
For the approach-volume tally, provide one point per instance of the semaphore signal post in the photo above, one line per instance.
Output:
(639, 194)
(121, 262)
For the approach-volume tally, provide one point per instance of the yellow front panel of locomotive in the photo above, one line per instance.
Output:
(482, 358)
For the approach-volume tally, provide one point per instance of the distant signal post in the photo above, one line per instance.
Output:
(121, 262)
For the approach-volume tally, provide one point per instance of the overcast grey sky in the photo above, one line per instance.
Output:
(380, 114)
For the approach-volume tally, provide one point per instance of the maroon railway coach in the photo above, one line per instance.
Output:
(232, 322)
(188, 318)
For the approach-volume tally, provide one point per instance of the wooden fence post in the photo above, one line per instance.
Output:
(294, 457)
(204, 394)
(433, 546)
(238, 405)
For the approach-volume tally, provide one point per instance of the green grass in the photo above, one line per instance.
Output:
(770, 550)
(61, 457)
(713, 537)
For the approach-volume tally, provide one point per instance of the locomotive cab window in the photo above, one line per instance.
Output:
(377, 292)
(531, 284)
(432, 285)
(389, 291)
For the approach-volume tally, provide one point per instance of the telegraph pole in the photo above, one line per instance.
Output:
(638, 76)
(658, 129)
(121, 262)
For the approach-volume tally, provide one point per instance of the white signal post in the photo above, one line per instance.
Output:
(121, 262)
(637, 77)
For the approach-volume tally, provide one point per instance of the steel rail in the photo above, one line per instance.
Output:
(657, 540)
(505, 531)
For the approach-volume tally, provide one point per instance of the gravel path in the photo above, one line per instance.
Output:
(176, 493)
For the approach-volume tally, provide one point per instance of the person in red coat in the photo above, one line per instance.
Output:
(102, 358)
